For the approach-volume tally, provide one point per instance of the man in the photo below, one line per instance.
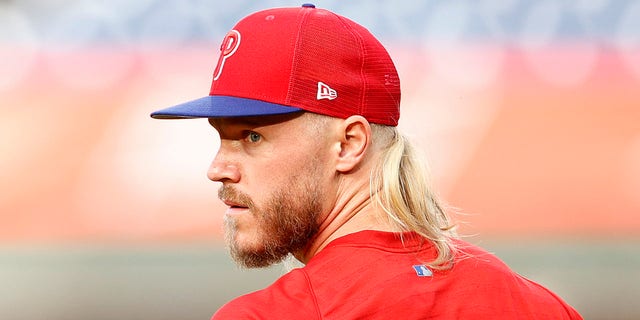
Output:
(306, 103)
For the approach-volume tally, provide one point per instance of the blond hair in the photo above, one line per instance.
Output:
(400, 185)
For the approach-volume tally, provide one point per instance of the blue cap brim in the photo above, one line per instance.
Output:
(222, 106)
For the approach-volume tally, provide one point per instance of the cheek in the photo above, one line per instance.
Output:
(281, 171)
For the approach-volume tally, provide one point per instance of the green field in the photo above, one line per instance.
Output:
(600, 279)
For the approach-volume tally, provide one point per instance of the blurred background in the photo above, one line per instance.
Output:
(528, 111)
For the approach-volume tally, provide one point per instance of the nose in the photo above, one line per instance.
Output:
(221, 170)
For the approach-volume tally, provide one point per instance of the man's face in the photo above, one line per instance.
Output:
(273, 173)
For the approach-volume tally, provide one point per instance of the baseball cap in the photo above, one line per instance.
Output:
(285, 60)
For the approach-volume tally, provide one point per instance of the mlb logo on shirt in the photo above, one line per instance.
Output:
(422, 271)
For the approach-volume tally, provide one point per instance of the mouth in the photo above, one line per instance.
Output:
(234, 207)
(233, 204)
(237, 202)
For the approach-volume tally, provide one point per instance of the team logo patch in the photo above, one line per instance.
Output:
(227, 49)
(423, 271)
(325, 92)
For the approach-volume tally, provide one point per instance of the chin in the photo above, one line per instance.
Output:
(252, 251)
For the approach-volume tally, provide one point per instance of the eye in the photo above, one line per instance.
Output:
(253, 137)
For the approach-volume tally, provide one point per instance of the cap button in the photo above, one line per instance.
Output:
(308, 5)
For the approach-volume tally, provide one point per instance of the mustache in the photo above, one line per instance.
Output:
(231, 194)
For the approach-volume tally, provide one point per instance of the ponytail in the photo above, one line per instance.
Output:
(399, 184)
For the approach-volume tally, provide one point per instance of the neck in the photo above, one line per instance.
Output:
(354, 211)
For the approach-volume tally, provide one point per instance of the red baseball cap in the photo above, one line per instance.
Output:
(287, 60)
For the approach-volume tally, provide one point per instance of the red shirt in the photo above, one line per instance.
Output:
(374, 275)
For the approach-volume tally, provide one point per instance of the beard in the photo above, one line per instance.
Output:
(286, 223)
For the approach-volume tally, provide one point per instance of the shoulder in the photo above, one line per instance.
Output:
(489, 286)
(290, 297)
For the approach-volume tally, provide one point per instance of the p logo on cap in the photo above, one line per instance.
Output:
(227, 49)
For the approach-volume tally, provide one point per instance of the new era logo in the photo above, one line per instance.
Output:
(325, 92)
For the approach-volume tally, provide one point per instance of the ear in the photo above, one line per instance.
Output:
(355, 134)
